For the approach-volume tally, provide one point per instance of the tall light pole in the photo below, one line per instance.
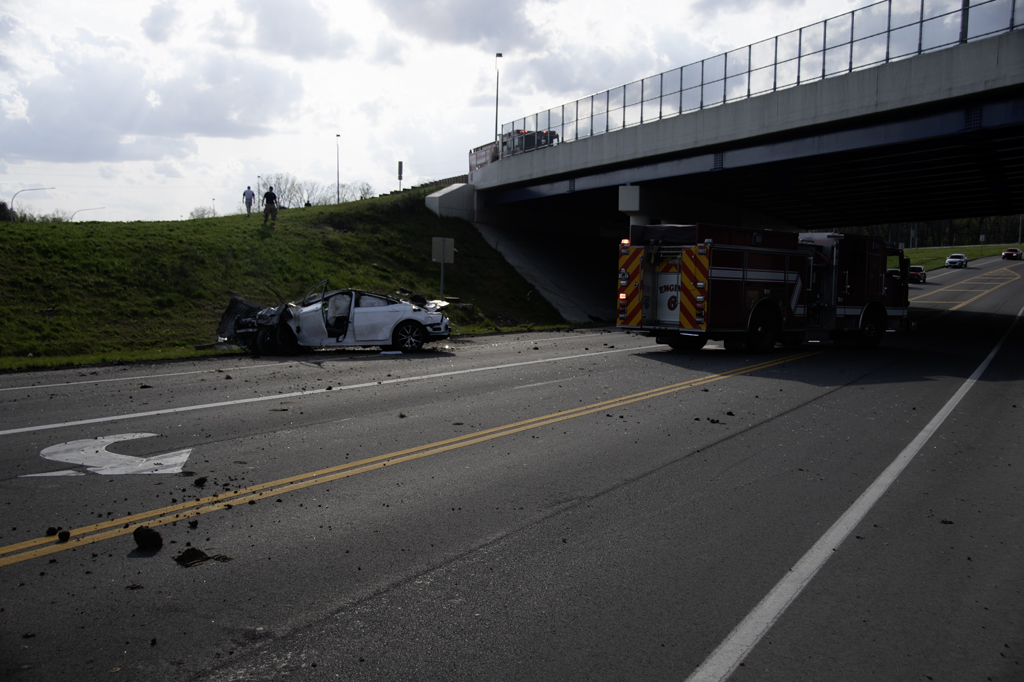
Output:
(337, 156)
(30, 189)
(497, 78)
(259, 192)
(214, 207)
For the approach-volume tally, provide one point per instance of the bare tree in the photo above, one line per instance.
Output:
(286, 187)
(292, 192)
(362, 190)
(200, 212)
(317, 193)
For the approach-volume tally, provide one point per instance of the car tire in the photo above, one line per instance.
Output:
(266, 341)
(408, 337)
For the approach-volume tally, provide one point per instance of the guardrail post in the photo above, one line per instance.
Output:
(775, 67)
(749, 61)
(725, 79)
(853, 19)
(824, 48)
(799, 54)
(920, 29)
(888, 32)
(702, 84)
(965, 9)
(661, 93)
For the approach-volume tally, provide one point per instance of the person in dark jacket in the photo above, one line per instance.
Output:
(269, 206)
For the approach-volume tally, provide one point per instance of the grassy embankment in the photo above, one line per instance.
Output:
(90, 292)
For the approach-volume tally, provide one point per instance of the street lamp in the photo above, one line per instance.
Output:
(337, 155)
(30, 189)
(214, 200)
(497, 78)
(259, 192)
(72, 218)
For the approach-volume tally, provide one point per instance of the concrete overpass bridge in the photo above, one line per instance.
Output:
(896, 112)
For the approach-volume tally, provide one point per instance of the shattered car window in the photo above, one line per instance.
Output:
(371, 301)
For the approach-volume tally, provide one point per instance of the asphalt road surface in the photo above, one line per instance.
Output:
(580, 505)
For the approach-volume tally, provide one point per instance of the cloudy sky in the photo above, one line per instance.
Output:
(150, 109)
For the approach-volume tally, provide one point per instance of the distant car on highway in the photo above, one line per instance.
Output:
(917, 274)
(957, 260)
(1013, 253)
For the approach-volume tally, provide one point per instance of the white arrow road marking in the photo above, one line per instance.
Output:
(92, 453)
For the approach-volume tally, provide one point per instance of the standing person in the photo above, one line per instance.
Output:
(248, 195)
(270, 206)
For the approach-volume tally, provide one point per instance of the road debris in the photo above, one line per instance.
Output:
(147, 538)
(193, 557)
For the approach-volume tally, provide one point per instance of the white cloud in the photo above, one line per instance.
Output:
(296, 29)
(167, 169)
(160, 22)
(493, 24)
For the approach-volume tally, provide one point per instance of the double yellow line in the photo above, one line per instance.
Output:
(31, 549)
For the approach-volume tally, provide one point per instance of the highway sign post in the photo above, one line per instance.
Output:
(442, 251)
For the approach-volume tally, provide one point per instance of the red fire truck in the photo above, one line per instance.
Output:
(686, 284)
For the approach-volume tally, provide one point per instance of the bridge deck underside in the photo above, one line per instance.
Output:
(972, 175)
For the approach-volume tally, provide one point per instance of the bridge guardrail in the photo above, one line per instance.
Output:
(879, 33)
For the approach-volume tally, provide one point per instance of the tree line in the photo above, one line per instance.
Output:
(956, 232)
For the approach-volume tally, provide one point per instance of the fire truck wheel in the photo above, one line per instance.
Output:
(687, 344)
(764, 332)
(872, 329)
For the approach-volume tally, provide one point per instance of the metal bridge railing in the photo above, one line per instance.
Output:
(880, 33)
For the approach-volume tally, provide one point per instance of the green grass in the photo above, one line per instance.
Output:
(81, 293)
(935, 257)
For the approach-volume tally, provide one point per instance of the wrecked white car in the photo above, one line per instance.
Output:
(333, 319)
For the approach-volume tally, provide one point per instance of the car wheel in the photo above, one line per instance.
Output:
(266, 341)
(765, 328)
(408, 337)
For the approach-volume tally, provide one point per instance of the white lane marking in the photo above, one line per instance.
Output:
(279, 396)
(92, 453)
(543, 383)
(724, 660)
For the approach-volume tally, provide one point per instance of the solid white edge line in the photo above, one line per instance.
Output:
(279, 396)
(724, 660)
